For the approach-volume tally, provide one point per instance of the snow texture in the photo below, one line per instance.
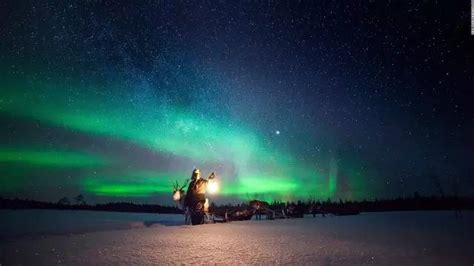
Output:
(397, 238)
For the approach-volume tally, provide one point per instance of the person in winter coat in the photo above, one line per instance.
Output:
(196, 192)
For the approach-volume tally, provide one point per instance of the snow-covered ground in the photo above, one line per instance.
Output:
(397, 238)
(14, 223)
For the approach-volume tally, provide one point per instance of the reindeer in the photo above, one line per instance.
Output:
(179, 195)
(262, 207)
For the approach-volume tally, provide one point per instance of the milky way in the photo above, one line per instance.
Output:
(284, 101)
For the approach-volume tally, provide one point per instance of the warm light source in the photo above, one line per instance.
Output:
(176, 195)
(212, 187)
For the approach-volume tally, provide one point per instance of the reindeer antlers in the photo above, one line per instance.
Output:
(185, 183)
(176, 185)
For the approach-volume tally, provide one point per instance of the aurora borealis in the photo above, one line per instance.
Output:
(116, 100)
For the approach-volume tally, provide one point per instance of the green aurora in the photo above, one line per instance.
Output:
(118, 100)
(51, 158)
(259, 169)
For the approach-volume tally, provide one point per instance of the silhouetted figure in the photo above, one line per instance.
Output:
(196, 196)
(197, 188)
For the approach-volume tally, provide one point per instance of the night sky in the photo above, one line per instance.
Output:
(291, 100)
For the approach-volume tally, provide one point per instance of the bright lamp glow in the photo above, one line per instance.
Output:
(212, 187)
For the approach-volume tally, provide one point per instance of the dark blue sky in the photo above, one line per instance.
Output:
(384, 85)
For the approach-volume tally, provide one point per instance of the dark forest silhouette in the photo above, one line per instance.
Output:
(340, 207)
(65, 204)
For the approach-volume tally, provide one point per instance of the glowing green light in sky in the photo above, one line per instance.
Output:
(261, 184)
(167, 129)
(332, 176)
(262, 187)
(140, 184)
(259, 168)
(51, 158)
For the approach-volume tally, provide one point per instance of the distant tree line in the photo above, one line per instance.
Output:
(80, 204)
(416, 202)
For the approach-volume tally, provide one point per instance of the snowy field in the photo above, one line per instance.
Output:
(85, 238)
(15, 223)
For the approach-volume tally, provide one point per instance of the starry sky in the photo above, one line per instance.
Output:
(284, 100)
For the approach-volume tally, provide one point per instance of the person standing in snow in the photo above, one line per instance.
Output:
(196, 192)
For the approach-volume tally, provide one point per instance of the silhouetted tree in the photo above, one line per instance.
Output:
(64, 201)
(437, 184)
(80, 200)
(416, 195)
